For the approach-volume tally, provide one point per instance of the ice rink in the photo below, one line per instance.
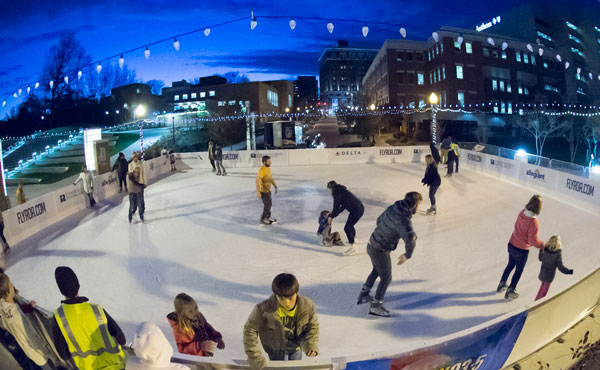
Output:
(202, 237)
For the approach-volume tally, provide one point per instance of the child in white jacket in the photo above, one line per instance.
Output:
(152, 350)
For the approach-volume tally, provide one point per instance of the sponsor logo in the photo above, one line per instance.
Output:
(230, 157)
(70, 195)
(474, 158)
(31, 212)
(502, 164)
(537, 175)
(253, 155)
(417, 151)
(384, 152)
(180, 157)
(109, 181)
(151, 166)
(344, 153)
(580, 187)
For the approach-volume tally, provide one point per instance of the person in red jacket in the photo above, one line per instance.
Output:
(523, 237)
(193, 334)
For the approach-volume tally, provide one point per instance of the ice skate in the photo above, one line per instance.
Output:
(350, 251)
(224, 173)
(511, 294)
(501, 287)
(265, 221)
(364, 296)
(130, 217)
(141, 218)
(218, 173)
(377, 309)
(432, 211)
(272, 220)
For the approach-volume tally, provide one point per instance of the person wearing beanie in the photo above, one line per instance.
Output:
(84, 331)
(152, 350)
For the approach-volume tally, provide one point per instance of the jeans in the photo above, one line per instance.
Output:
(267, 203)
(353, 218)
(282, 356)
(450, 166)
(220, 167)
(122, 180)
(136, 200)
(382, 268)
(517, 258)
(92, 200)
(432, 190)
(456, 161)
(212, 163)
(543, 290)
(443, 156)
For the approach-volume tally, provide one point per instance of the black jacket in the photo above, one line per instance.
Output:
(432, 177)
(61, 344)
(219, 154)
(451, 156)
(121, 166)
(435, 153)
(446, 143)
(393, 224)
(550, 262)
(343, 199)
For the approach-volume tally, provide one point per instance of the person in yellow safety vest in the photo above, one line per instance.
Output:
(84, 331)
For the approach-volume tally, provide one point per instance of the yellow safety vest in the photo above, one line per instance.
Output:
(84, 327)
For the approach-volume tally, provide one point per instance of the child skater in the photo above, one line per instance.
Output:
(328, 239)
(551, 258)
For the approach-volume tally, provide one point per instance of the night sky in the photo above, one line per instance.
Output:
(271, 51)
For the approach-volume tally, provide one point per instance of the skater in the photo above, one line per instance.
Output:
(433, 180)
(286, 325)
(264, 180)
(172, 160)
(121, 167)
(343, 199)
(84, 331)
(211, 155)
(135, 190)
(140, 178)
(393, 224)
(88, 184)
(328, 238)
(445, 147)
(21, 193)
(551, 258)
(5, 246)
(15, 319)
(218, 154)
(152, 350)
(193, 334)
(454, 148)
(524, 236)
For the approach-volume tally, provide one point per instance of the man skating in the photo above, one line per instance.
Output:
(136, 173)
(393, 224)
(264, 180)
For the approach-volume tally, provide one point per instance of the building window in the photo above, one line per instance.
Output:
(504, 55)
(194, 95)
(441, 48)
(508, 88)
(434, 77)
(211, 93)
(273, 98)
(137, 90)
(461, 98)
(421, 103)
(420, 79)
(580, 77)
(580, 91)
(494, 85)
(429, 55)
(289, 100)
(202, 105)
(496, 108)
(221, 103)
(495, 53)
(501, 85)
(439, 75)
(571, 25)
(456, 45)
(486, 52)
(411, 105)
(596, 28)
(509, 110)
(203, 94)
(551, 88)
(518, 56)
(185, 96)
(502, 107)
(176, 98)
(544, 36)
(576, 51)
(576, 39)
(468, 48)
(459, 72)
(525, 58)
(546, 65)
(232, 102)
(443, 72)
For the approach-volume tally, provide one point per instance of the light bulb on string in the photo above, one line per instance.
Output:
(365, 30)
(558, 57)
(541, 51)
(330, 27)
(567, 64)
(20, 91)
(99, 68)
(504, 45)
(491, 41)
(79, 75)
(435, 36)
(591, 76)
(403, 32)
(147, 53)
(66, 79)
(253, 22)
(292, 24)
(3, 103)
(121, 61)
(206, 32)
(37, 84)
(51, 83)
(15, 95)
(530, 48)
(176, 44)
(28, 90)
(460, 40)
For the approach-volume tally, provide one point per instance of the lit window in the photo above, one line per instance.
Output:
(429, 55)
(520, 90)
(576, 39)
(518, 56)
(273, 98)
(437, 50)
(185, 96)
(502, 107)
(597, 29)
(508, 88)
(138, 91)
(456, 45)
(430, 78)
(577, 51)
(232, 102)
(441, 48)
(439, 75)
(509, 110)
(599, 40)
(504, 55)
(421, 103)
(289, 100)
(501, 85)
(486, 52)
(533, 59)
(461, 98)
(459, 72)
(545, 64)
(468, 48)
(494, 85)
(525, 90)
(420, 79)
(495, 108)
(203, 94)
(544, 36)
(443, 72)
(411, 105)
(525, 58)
(571, 25)
(176, 98)
(580, 77)
(221, 103)
(211, 93)
(194, 95)
(434, 77)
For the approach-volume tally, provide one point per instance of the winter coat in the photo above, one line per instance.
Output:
(142, 177)
(218, 154)
(191, 343)
(15, 320)
(550, 262)
(152, 350)
(446, 143)
(432, 177)
(343, 199)
(120, 166)
(393, 224)
(452, 156)
(211, 151)
(525, 234)
(328, 238)
(435, 153)
(133, 186)
(264, 324)
(21, 196)
(88, 181)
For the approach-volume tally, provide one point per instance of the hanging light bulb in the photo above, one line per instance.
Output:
(207, 32)
(292, 24)
(3, 103)
(558, 57)
(79, 74)
(567, 65)
(530, 48)
(460, 40)
(491, 41)
(37, 84)
(147, 53)
(578, 70)
(51, 84)
(365, 30)
(99, 68)
(28, 90)
(176, 44)
(403, 32)
(15, 95)
(20, 91)
(330, 27)
(504, 45)
(541, 51)
(435, 36)
(253, 22)
(591, 76)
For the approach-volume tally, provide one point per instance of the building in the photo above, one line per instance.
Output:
(125, 98)
(214, 94)
(306, 92)
(341, 71)
(573, 31)
(474, 74)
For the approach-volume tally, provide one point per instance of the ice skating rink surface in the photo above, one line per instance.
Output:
(202, 237)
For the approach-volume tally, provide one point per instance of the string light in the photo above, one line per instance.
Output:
(147, 53)
(292, 24)
(79, 74)
(206, 32)
(121, 61)
(330, 27)
(253, 22)
(176, 44)
(365, 30)
(403, 32)
(99, 68)
(66, 79)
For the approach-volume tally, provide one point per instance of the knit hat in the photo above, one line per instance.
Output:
(67, 281)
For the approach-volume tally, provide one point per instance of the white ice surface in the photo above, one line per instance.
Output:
(202, 237)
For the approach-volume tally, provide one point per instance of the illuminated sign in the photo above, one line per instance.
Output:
(485, 26)
(89, 136)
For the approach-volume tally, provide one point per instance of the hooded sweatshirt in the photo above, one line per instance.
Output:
(526, 231)
(343, 199)
(152, 350)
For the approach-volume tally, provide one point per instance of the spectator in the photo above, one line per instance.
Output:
(218, 155)
(152, 350)
(15, 319)
(21, 193)
(193, 334)
(211, 155)
(84, 331)
(88, 184)
(286, 325)
(172, 160)
(121, 167)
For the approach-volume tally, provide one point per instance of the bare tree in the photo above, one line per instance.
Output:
(483, 131)
(541, 125)
(591, 133)
(110, 76)
(573, 134)
(156, 86)
(235, 77)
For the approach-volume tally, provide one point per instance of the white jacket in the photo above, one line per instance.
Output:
(152, 350)
(88, 181)
(140, 164)
(13, 320)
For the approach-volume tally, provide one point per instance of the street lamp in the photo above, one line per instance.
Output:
(372, 107)
(433, 100)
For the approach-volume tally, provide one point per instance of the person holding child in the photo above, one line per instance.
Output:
(551, 258)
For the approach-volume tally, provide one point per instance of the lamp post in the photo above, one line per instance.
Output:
(173, 129)
(433, 100)
(140, 111)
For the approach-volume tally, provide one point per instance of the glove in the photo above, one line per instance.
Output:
(221, 344)
(143, 186)
(571, 272)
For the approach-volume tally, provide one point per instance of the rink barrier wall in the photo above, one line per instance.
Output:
(33, 216)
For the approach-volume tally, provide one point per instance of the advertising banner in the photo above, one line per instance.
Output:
(106, 185)
(391, 155)
(486, 349)
(537, 176)
(308, 157)
(502, 167)
(279, 158)
(192, 160)
(233, 158)
(416, 153)
(27, 219)
(349, 155)
(581, 188)
(474, 159)
(69, 199)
